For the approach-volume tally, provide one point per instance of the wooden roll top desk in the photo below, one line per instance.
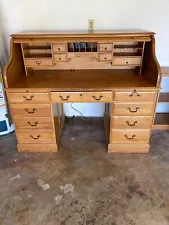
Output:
(119, 69)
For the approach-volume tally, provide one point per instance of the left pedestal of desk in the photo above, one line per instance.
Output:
(34, 123)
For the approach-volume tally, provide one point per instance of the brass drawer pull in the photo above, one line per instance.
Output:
(133, 111)
(97, 99)
(38, 62)
(64, 99)
(106, 48)
(105, 58)
(33, 110)
(32, 125)
(130, 138)
(131, 125)
(60, 58)
(35, 138)
(28, 99)
(134, 93)
(59, 48)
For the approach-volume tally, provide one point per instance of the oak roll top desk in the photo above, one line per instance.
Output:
(119, 69)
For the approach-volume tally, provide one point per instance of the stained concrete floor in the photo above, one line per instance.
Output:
(109, 189)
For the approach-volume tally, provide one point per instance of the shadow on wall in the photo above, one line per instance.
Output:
(3, 42)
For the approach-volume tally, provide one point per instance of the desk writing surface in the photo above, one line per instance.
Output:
(83, 80)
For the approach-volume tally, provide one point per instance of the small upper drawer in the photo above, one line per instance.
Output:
(36, 136)
(135, 61)
(81, 96)
(28, 97)
(60, 57)
(135, 95)
(105, 47)
(105, 57)
(30, 110)
(30, 62)
(60, 47)
(133, 109)
(128, 137)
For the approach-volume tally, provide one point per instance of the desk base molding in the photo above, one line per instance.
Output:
(133, 148)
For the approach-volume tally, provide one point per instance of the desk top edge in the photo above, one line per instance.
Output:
(80, 33)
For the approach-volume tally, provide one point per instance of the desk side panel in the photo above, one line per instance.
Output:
(14, 70)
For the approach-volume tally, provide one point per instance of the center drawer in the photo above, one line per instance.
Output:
(133, 109)
(81, 96)
(31, 110)
(129, 137)
(36, 136)
(34, 123)
(28, 97)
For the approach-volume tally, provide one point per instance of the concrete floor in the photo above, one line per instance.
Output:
(109, 189)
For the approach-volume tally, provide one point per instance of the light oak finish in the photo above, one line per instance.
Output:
(130, 136)
(60, 57)
(28, 97)
(161, 120)
(30, 110)
(118, 61)
(105, 47)
(131, 122)
(59, 47)
(119, 69)
(105, 57)
(135, 96)
(35, 137)
(128, 148)
(133, 109)
(41, 123)
(37, 148)
(61, 97)
(38, 62)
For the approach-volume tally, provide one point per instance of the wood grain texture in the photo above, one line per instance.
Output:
(37, 148)
(35, 137)
(30, 110)
(130, 136)
(28, 97)
(41, 123)
(128, 148)
(133, 109)
(135, 96)
(131, 122)
(63, 97)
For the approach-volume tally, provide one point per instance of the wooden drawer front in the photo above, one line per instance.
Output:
(130, 136)
(60, 47)
(133, 109)
(117, 61)
(37, 148)
(34, 123)
(38, 62)
(105, 47)
(66, 97)
(127, 122)
(81, 96)
(35, 136)
(98, 96)
(60, 57)
(105, 57)
(28, 97)
(30, 110)
(135, 96)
